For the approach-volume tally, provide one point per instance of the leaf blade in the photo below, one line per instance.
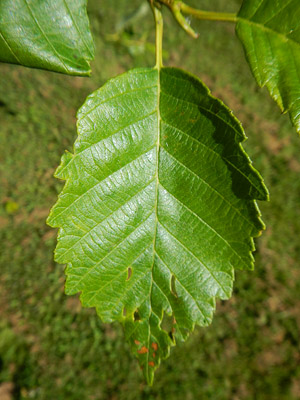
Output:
(47, 35)
(158, 207)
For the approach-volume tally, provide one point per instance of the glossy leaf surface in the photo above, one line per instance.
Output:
(270, 33)
(47, 34)
(158, 207)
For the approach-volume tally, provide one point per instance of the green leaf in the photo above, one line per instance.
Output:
(270, 33)
(47, 34)
(158, 207)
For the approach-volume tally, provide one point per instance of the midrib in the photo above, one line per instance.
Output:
(157, 160)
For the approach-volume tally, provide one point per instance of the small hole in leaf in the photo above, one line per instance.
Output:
(129, 273)
(136, 316)
(171, 335)
(173, 286)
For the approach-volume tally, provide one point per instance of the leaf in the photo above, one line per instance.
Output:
(52, 35)
(157, 209)
(270, 33)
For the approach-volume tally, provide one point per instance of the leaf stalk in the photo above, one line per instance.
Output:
(158, 33)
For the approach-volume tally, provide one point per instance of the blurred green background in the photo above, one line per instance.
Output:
(51, 348)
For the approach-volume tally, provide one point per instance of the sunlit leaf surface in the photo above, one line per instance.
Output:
(158, 207)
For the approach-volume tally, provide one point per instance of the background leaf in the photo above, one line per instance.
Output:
(158, 207)
(270, 33)
(46, 34)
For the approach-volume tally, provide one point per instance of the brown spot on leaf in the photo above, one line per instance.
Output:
(154, 346)
(143, 350)
(151, 363)
(173, 286)
(153, 355)
(129, 273)
(137, 342)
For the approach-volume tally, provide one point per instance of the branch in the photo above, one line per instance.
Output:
(178, 7)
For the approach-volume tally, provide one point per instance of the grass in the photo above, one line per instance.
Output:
(51, 348)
